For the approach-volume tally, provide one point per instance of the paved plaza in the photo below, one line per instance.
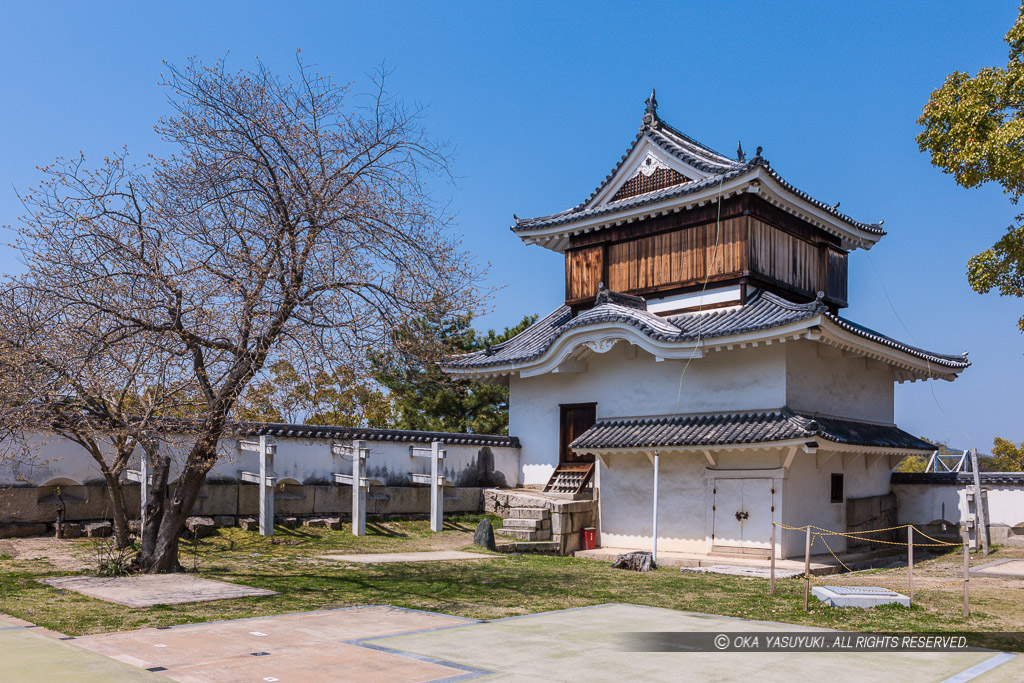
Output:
(387, 643)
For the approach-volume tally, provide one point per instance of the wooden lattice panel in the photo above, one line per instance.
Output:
(642, 184)
(570, 478)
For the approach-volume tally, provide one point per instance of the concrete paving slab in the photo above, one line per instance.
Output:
(859, 596)
(31, 656)
(160, 589)
(1000, 569)
(425, 556)
(741, 570)
(307, 646)
(585, 644)
(1011, 671)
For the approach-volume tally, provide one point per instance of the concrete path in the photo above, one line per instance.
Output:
(28, 654)
(425, 556)
(159, 589)
(1003, 569)
(306, 646)
(587, 644)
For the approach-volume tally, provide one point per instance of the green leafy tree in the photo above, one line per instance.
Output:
(1007, 456)
(974, 130)
(335, 398)
(423, 396)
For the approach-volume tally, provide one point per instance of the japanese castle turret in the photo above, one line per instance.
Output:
(701, 330)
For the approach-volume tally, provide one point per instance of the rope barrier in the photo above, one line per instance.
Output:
(857, 535)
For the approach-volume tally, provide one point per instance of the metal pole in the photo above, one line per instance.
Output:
(910, 559)
(654, 535)
(807, 568)
(771, 571)
(358, 492)
(967, 573)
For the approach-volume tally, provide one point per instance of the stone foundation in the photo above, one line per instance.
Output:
(867, 514)
(567, 517)
(29, 510)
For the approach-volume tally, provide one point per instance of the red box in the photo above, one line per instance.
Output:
(588, 538)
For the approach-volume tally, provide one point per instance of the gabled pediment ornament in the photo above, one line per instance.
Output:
(601, 346)
(649, 165)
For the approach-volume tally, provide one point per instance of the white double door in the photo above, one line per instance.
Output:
(742, 513)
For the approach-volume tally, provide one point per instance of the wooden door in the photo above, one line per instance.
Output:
(576, 419)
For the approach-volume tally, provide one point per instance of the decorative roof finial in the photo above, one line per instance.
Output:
(651, 113)
(740, 154)
(759, 150)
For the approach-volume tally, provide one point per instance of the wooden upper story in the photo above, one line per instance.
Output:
(745, 242)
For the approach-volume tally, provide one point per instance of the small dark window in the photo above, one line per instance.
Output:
(837, 488)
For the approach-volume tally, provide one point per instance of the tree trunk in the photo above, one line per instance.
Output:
(120, 513)
(166, 513)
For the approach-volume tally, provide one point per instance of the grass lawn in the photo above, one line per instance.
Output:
(500, 587)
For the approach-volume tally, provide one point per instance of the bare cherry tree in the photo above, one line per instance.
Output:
(287, 224)
(70, 373)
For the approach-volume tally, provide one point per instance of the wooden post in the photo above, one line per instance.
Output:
(267, 450)
(144, 487)
(910, 560)
(358, 492)
(967, 573)
(807, 568)
(436, 491)
(771, 570)
(979, 506)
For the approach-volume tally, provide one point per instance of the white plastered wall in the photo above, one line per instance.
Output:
(624, 387)
(823, 379)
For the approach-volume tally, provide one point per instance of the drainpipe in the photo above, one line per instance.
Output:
(654, 536)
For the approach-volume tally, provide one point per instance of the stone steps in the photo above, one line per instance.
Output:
(533, 524)
(529, 513)
(527, 534)
(535, 547)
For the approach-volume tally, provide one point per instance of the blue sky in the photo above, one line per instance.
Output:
(541, 99)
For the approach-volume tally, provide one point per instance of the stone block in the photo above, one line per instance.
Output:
(331, 499)
(314, 523)
(248, 499)
(560, 523)
(484, 535)
(516, 523)
(72, 530)
(294, 500)
(287, 522)
(97, 529)
(217, 499)
(529, 513)
(223, 521)
(199, 527)
(248, 524)
(20, 529)
(20, 504)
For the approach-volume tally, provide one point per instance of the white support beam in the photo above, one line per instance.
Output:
(266, 448)
(822, 458)
(710, 458)
(358, 492)
(790, 454)
(654, 521)
(436, 494)
(603, 459)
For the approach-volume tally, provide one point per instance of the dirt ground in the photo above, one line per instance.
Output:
(63, 556)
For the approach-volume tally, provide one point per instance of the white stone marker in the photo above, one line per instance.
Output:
(144, 478)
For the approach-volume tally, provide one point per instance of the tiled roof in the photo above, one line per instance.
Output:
(726, 429)
(300, 431)
(579, 212)
(959, 478)
(720, 167)
(763, 311)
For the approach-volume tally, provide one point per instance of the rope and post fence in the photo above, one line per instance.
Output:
(813, 533)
